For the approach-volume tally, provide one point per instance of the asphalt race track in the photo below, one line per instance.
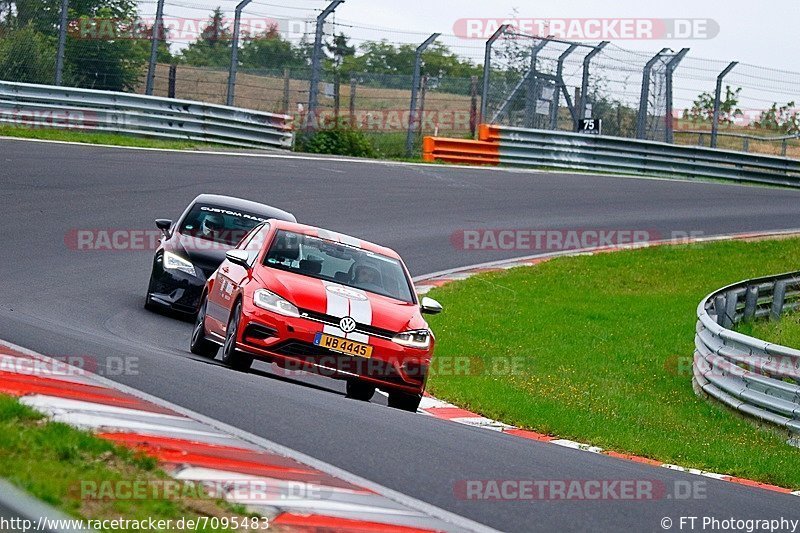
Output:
(62, 302)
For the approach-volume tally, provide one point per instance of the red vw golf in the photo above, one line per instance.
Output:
(310, 299)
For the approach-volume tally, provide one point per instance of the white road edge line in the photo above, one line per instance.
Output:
(399, 497)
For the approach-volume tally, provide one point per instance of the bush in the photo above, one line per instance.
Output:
(339, 140)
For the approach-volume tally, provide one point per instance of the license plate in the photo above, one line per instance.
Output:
(345, 346)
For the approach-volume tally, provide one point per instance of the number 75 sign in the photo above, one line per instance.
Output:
(592, 126)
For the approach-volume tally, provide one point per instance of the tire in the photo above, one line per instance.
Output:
(148, 303)
(359, 390)
(404, 401)
(199, 344)
(230, 355)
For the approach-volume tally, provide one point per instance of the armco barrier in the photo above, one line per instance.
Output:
(47, 106)
(574, 151)
(753, 376)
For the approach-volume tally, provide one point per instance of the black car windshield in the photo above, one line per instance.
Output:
(340, 263)
(219, 224)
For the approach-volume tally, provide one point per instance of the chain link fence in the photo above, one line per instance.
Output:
(366, 76)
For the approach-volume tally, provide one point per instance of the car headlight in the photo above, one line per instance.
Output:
(420, 338)
(272, 302)
(176, 262)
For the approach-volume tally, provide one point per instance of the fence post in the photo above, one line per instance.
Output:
(531, 86)
(421, 114)
(717, 97)
(414, 87)
(353, 102)
(316, 65)
(641, 121)
(286, 85)
(585, 80)
(237, 21)
(62, 42)
(671, 66)
(473, 106)
(173, 78)
(487, 60)
(158, 29)
(778, 297)
(558, 88)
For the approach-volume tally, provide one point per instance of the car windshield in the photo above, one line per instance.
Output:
(219, 224)
(340, 263)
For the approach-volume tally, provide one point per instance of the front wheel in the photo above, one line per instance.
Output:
(404, 401)
(200, 345)
(230, 355)
(358, 390)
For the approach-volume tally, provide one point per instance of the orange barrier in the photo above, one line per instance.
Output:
(489, 133)
(464, 151)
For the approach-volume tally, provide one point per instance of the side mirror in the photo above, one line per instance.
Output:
(238, 257)
(164, 225)
(430, 306)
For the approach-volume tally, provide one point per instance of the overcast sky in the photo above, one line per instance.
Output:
(762, 33)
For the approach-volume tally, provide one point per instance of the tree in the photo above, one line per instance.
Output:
(105, 61)
(271, 51)
(213, 47)
(702, 109)
(783, 119)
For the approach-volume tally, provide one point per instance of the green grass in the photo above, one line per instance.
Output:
(50, 460)
(786, 331)
(102, 138)
(600, 351)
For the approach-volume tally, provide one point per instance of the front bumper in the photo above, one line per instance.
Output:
(176, 290)
(289, 342)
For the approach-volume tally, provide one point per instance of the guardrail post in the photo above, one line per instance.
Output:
(62, 42)
(531, 88)
(487, 60)
(750, 303)
(585, 80)
(286, 86)
(237, 22)
(173, 78)
(778, 298)
(641, 120)
(561, 86)
(412, 118)
(671, 66)
(316, 65)
(158, 29)
(717, 98)
(353, 85)
(719, 309)
(731, 300)
(473, 106)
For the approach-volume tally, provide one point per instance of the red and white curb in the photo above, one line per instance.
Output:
(445, 411)
(295, 492)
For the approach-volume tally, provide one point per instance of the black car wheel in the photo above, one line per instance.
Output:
(359, 390)
(148, 301)
(406, 402)
(230, 355)
(200, 345)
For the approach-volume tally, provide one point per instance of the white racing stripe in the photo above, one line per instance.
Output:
(340, 306)
(361, 312)
(337, 306)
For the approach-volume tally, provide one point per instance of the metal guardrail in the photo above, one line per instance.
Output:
(48, 106)
(574, 151)
(519, 146)
(19, 511)
(753, 376)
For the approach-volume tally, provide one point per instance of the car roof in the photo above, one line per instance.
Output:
(255, 208)
(335, 236)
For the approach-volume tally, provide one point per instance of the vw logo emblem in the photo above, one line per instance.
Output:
(347, 324)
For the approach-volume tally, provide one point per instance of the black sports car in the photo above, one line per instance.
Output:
(193, 248)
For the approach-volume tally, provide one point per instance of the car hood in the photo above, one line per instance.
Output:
(202, 253)
(337, 301)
